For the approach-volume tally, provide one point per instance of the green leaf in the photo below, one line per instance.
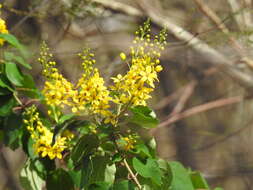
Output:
(85, 146)
(29, 88)
(143, 116)
(11, 57)
(180, 177)
(218, 188)
(149, 170)
(65, 118)
(5, 83)
(59, 179)
(123, 185)
(13, 74)
(6, 108)
(4, 91)
(12, 40)
(142, 149)
(13, 131)
(198, 181)
(100, 186)
(76, 177)
(110, 173)
(29, 178)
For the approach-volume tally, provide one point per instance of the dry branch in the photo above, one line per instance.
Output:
(200, 109)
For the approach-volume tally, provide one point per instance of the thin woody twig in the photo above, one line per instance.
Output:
(200, 109)
(184, 98)
(115, 5)
(132, 174)
(220, 25)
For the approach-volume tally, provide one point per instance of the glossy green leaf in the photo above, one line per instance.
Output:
(180, 177)
(29, 88)
(143, 116)
(149, 170)
(65, 118)
(110, 173)
(6, 108)
(13, 74)
(85, 146)
(142, 149)
(13, 131)
(59, 179)
(100, 186)
(5, 83)
(12, 40)
(123, 185)
(29, 179)
(198, 181)
(9, 56)
(4, 91)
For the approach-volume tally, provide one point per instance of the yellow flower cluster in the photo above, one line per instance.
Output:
(43, 137)
(135, 86)
(92, 95)
(127, 143)
(57, 90)
(3, 30)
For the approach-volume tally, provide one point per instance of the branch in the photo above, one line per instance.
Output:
(213, 17)
(201, 108)
(112, 4)
(235, 6)
(132, 174)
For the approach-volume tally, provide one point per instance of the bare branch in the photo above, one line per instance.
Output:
(220, 25)
(199, 109)
(235, 6)
(120, 6)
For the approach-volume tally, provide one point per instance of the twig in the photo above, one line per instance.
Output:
(235, 6)
(220, 25)
(199, 109)
(184, 98)
(30, 14)
(168, 99)
(132, 175)
(112, 4)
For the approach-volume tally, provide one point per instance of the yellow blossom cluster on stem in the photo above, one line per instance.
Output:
(127, 143)
(57, 90)
(135, 86)
(43, 137)
(92, 94)
(89, 95)
(3, 30)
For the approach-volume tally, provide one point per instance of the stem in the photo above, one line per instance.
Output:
(132, 174)
(17, 99)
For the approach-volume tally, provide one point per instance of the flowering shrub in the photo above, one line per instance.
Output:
(88, 136)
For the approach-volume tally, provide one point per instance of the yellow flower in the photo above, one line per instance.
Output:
(43, 137)
(122, 56)
(3, 30)
(135, 86)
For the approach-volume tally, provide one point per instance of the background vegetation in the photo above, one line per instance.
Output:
(204, 97)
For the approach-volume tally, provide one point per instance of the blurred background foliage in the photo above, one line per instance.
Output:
(204, 96)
